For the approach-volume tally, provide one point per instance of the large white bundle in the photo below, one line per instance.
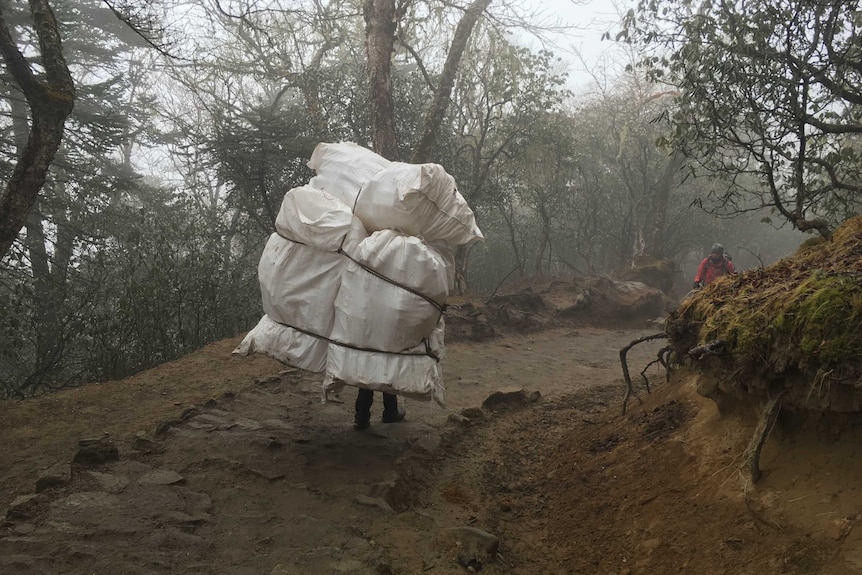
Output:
(343, 168)
(315, 218)
(373, 313)
(284, 344)
(299, 283)
(419, 200)
(418, 376)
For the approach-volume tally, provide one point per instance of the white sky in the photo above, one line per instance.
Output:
(581, 45)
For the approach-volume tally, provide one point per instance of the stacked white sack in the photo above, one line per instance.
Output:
(300, 277)
(372, 313)
(418, 200)
(343, 168)
(418, 376)
(284, 344)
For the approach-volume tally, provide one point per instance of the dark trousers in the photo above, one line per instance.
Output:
(365, 398)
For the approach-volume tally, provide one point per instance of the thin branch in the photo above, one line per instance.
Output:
(623, 352)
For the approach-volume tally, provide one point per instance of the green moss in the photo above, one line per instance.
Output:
(803, 313)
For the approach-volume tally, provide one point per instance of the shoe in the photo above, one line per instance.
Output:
(398, 416)
(360, 425)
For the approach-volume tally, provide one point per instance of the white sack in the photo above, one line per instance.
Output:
(418, 200)
(316, 218)
(371, 312)
(414, 376)
(343, 168)
(285, 345)
(298, 284)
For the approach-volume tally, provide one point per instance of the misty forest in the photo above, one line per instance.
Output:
(639, 271)
(147, 145)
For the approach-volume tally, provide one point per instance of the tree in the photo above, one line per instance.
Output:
(422, 152)
(770, 90)
(50, 97)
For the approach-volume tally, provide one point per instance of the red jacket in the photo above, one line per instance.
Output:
(709, 271)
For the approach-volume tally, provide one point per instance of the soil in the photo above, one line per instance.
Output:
(232, 465)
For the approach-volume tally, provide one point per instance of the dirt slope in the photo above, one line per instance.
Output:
(232, 465)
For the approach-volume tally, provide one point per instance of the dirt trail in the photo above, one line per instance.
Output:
(232, 466)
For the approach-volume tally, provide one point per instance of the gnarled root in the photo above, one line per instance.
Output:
(761, 432)
(626, 376)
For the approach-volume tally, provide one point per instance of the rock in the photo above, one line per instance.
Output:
(197, 503)
(510, 396)
(474, 414)
(161, 477)
(146, 445)
(166, 427)
(189, 412)
(268, 474)
(377, 502)
(218, 421)
(108, 482)
(24, 528)
(248, 424)
(198, 426)
(25, 506)
(55, 476)
(384, 490)
(76, 503)
(473, 547)
(92, 452)
(839, 529)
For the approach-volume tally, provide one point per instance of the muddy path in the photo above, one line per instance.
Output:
(232, 465)
(227, 465)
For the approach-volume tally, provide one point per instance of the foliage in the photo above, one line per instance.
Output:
(769, 99)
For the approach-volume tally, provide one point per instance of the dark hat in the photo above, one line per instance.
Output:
(717, 249)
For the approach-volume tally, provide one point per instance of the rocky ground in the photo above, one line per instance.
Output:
(228, 465)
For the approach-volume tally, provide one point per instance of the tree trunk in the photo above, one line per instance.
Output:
(423, 152)
(381, 21)
(545, 239)
(655, 226)
(50, 104)
(44, 318)
(461, 253)
(509, 217)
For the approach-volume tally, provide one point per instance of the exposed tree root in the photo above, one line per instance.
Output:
(758, 515)
(761, 432)
(623, 352)
(717, 347)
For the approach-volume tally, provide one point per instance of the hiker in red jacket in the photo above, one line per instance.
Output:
(715, 265)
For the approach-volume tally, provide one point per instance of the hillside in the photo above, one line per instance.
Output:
(232, 465)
